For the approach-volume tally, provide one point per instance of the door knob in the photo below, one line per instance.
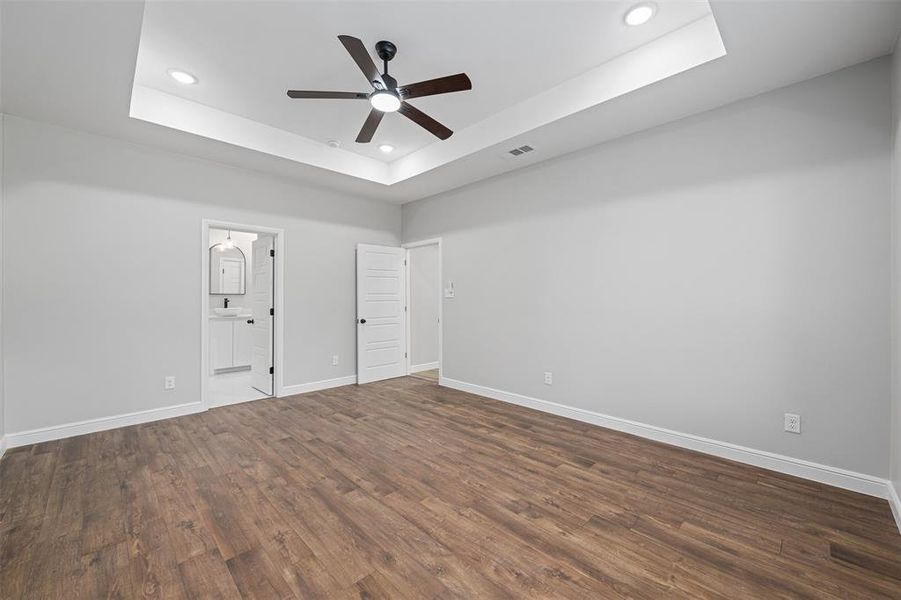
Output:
(362, 321)
(250, 321)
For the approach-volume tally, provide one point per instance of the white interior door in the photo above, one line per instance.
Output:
(262, 306)
(381, 323)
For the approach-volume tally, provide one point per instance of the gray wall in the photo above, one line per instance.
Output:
(706, 276)
(424, 305)
(895, 458)
(88, 335)
(2, 395)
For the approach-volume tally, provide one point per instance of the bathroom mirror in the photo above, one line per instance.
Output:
(227, 270)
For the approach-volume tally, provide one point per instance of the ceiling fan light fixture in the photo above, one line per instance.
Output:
(385, 101)
(640, 14)
(182, 77)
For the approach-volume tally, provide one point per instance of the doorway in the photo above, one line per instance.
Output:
(399, 312)
(240, 315)
(424, 301)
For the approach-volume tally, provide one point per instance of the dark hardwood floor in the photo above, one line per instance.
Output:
(402, 489)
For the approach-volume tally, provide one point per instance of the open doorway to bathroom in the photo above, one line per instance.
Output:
(424, 298)
(240, 324)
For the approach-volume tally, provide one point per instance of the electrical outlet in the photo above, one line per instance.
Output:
(169, 383)
(548, 378)
(792, 423)
(334, 360)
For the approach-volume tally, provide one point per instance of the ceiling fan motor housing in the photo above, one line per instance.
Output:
(385, 50)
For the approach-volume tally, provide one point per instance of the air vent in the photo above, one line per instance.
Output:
(521, 150)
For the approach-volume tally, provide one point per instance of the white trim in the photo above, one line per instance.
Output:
(279, 301)
(58, 432)
(2, 445)
(849, 480)
(418, 244)
(894, 502)
(424, 367)
(315, 386)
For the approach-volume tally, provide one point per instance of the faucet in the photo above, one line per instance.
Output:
(225, 303)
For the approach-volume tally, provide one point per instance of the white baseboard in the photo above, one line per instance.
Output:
(849, 480)
(315, 386)
(894, 501)
(57, 432)
(424, 367)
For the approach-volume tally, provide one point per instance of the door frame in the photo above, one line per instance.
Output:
(439, 291)
(278, 300)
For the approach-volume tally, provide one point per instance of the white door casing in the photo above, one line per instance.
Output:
(262, 304)
(381, 318)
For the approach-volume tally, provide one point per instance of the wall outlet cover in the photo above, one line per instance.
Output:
(792, 423)
(548, 378)
(334, 360)
(169, 383)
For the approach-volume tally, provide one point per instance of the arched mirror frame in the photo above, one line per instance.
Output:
(213, 252)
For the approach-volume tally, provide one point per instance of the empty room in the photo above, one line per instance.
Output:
(591, 299)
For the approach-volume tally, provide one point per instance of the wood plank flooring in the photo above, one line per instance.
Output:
(403, 489)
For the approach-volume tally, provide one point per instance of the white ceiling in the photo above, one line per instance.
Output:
(246, 54)
(73, 63)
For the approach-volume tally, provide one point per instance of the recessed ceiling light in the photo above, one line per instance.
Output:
(640, 14)
(385, 101)
(182, 77)
(386, 148)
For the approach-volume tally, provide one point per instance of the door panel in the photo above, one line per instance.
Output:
(381, 322)
(243, 342)
(261, 302)
(221, 343)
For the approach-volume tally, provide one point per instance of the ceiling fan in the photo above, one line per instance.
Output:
(387, 96)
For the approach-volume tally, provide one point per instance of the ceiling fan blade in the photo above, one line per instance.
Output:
(328, 95)
(442, 85)
(369, 127)
(361, 56)
(425, 121)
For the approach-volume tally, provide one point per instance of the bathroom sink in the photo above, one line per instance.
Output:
(229, 312)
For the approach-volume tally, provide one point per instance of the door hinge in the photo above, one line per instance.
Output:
(405, 355)
(271, 312)
(272, 253)
(405, 309)
(271, 370)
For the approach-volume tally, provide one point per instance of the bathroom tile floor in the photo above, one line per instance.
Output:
(232, 388)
